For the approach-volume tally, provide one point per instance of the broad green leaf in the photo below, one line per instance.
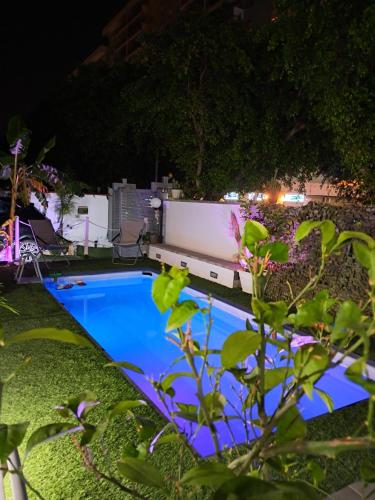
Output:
(271, 313)
(124, 406)
(348, 319)
(238, 346)
(167, 287)
(187, 412)
(126, 365)
(297, 490)
(159, 287)
(318, 474)
(354, 235)
(50, 334)
(176, 272)
(141, 472)
(275, 376)
(187, 407)
(355, 373)
(130, 450)
(290, 426)
(11, 437)
(308, 387)
(48, 433)
(214, 403)
(314, 311)
(253, 232)
(47, 147)
(173, 290)
(91, 432)
(209, 474)
(362, 254)
(368, 471)
(245, 488)
(278, 251)
(328, 230)
(145, 427)
(169, 379)
(186, 415)
(356, 368)
(366, 257)
(78, 404)
(181, 314)
(310, 362)
(326, 398)
(305, 228)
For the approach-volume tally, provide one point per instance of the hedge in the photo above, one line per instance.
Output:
(344, 277)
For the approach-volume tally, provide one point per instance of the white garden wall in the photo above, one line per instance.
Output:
(203, 227)
(74, 223)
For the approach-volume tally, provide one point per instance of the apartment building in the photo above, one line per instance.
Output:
(124, 31)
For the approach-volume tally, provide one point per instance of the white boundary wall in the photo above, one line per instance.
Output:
(74, 223)
(203, 227)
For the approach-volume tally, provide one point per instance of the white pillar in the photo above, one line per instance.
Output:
(86, 236)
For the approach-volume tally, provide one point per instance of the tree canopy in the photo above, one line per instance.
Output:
(227, 107)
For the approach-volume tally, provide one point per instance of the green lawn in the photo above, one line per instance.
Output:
(58, 371)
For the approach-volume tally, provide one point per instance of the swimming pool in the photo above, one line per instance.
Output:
(117, 311)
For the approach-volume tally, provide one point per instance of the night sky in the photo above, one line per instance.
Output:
(40, 43)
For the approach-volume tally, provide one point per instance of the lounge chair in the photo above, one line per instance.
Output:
(46, 239)
(130, 235)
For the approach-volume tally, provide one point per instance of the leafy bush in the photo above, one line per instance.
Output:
(344, 277)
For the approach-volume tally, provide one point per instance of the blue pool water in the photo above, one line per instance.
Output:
(119, 314)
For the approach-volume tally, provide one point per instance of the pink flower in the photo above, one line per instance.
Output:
(247, 253)
(243, 263)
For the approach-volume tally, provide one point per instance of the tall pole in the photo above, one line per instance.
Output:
(157, 165)
(16, 238)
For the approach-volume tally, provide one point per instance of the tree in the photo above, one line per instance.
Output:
(65, 191)
(191, 98)
(25, 176)
(213, 94)
(327, 50)
(92, 127)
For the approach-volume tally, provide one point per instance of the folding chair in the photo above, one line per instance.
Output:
(46, 239)
(130, 235)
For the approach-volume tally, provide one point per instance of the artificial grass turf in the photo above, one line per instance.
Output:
(58, 371)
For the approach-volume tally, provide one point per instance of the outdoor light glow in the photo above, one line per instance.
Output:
(233, 196)
(294, 197)
(155, 203)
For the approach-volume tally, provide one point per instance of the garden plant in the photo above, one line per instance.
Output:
(25, 177)
(311, 333)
